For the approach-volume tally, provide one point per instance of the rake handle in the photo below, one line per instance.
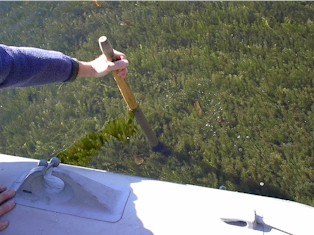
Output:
(128, 96)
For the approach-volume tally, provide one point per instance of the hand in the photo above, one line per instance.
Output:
(121, 64)
(6, 204)
(101, 66)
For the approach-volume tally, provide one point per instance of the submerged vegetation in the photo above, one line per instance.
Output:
(226, 86)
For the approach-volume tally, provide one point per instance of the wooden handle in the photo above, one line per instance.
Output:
(107, 50)
(128, 96)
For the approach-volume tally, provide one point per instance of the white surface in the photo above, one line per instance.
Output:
(161, 208)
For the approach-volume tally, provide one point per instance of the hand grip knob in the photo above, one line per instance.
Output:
(106, 48)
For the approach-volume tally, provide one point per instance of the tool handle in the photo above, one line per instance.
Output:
(128, 96)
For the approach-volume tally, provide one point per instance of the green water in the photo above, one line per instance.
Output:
(226, 86)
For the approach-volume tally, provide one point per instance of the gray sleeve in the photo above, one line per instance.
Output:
(27, 66)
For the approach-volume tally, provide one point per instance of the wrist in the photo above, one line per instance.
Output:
(86, 69)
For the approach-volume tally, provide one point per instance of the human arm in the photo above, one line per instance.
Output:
(27, 66)
(6, 205)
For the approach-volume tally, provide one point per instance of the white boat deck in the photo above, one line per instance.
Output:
(161, 208)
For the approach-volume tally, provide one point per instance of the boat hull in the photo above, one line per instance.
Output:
(157, 207)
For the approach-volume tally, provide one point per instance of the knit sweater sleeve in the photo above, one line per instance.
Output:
(27, 66)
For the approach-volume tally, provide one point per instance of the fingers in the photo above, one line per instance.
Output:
(101, 66)
(6, 207)
(119, 54)
(4, 225)
(118, 64)
(123, 73)
(6, 195)
(2, 188)
(121, 66)
(6, 204)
